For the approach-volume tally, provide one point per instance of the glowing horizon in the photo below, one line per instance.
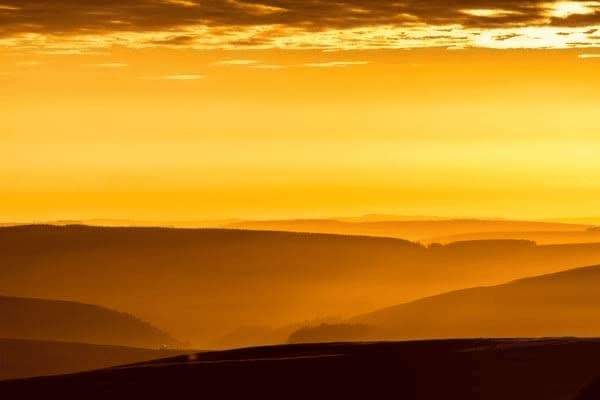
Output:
(173, 109)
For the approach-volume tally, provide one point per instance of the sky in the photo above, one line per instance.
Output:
(178, 109)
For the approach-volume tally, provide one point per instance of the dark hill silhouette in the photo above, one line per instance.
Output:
(37, 319)
(328, 333)
(417, 230)
(552, 369)
(29, 358)
(200, 285)
(591, 391)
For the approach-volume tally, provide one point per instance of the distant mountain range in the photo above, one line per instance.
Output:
(416, 230)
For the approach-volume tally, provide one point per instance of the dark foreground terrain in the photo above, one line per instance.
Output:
(450, 369)
(28, 358)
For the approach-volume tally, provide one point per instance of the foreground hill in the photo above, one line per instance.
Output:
(561, 304)
(591, 391)
(452, 369)
(202, 285)
(28, 358)
(37, 319)
(416, 230)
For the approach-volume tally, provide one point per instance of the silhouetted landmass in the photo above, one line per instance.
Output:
(450, 369)
(29, 358)
(591, 391)
(590, 235)
(327, 333)
(560, 304)
(417, 230)
(200, 285)
(245, 335)
(37, 319)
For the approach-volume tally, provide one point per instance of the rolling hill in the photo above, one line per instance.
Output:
(551, 369)
(201, 285)
(415, 230)
(561, 304)
(50, 320)
(29, 358)
(591, 235)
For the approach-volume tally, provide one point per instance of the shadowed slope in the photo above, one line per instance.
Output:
(28, 358)
(203, 284)
(561, 304)
(451, 369)
(37, 319)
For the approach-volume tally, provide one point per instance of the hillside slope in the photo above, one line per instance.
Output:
(452, 369)
(38, 319)
(201, 285)
(29, 358)
(560, 304)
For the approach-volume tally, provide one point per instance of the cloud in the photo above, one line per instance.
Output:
(565, 9)
(334, 64)
(232, 24)
(589, 56)
(184, 3)
(236, 62)
(108, 65)
(268, 66)
(489, 12)
(31, 63)
(179, 77)
(64, 16)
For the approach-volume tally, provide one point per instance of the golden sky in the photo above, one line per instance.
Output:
(178, 109)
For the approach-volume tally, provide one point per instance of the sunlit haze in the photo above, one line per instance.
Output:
(179, 111)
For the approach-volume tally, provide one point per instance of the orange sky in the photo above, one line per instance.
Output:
(109, 125)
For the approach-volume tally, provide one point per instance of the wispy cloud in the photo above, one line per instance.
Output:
(30, 63)
(268, 66)
(178, 77)
(241, 62)
(588, 56)
(184, 3)
(488, 12)
(248, 63)
(334, 64)
(108, 65)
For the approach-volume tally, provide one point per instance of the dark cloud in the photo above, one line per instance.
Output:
(179, 40)
(97, 16)
(508, 36)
